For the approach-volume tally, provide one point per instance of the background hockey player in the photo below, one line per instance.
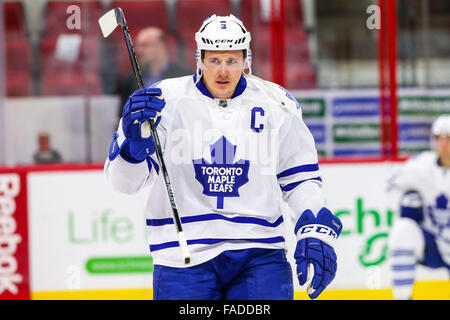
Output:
(234, 147)
(422, 234)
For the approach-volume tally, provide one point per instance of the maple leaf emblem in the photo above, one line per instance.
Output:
(440, 214)
(223, 176)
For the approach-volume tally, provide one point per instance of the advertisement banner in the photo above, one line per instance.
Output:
(367, 212)
(319, 133)
(355, 107)
(65, 232)
(352, 117)
(415, 132)
(312, 107)
(14, 257)
(356, 133)
(84, 235)
(424, 105)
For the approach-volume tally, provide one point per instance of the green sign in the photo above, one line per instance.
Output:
(119, 265)
(321, 153)
(424, 105)
(369, 255)
(99, 227)
(411, 150)
(312, 107)
(351, 133)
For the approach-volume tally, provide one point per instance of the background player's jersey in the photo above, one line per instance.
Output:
(230, 163)
(425, 175)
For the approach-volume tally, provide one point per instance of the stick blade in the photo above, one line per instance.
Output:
(108, 22)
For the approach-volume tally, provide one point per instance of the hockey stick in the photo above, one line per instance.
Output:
(108, 23)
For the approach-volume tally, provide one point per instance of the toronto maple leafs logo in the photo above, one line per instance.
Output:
(440, 214)
(223, 176)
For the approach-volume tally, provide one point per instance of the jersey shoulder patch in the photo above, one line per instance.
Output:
(287, 99)
(290, 96)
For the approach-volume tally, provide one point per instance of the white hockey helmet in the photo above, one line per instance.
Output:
(223, 33)
(441, 125)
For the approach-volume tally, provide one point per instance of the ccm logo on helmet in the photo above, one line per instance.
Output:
(223, 41)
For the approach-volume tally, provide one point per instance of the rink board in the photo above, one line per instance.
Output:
(87, 241)
(423, 290)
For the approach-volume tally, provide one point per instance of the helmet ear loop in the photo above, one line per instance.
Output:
(199, 65)
(248, 63)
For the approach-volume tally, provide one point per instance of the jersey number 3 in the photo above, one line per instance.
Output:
(256, 122)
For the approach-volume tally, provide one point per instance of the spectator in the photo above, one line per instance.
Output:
(45, 153)
(154, 60)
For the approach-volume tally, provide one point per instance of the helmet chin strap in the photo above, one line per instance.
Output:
(248, 67)
(248, 62)
(199, 74)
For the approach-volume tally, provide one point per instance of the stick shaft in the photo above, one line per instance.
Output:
(133, 59)
(156, 141)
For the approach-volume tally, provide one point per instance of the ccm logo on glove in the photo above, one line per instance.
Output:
(319, 229)
(325, 227)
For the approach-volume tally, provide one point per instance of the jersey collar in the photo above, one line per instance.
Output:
(240, 88)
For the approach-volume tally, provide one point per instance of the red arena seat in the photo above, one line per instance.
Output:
(58, 18)
(18, 84)
(300, 76)
(189, 14)
(18, 55)
(197, 11)
(18, 68)
(70, 77)
(141, 14)
(257, 17)
(14, 22)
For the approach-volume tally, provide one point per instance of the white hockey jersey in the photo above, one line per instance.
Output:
(423, 174)
(230, 163)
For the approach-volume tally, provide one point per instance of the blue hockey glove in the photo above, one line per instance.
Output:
(141, 106)
(316, 236)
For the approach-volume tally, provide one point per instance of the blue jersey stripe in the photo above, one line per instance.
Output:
(397, 253)
(216, 216)
(291, 186)
(299, 169)
(403, 282)
(159, 222)
(403, 267)
(208, 241)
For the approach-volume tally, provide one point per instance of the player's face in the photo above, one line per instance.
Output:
(222, 71)
(443, 147)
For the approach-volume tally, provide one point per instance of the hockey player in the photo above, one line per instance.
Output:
(422, 234)
(234, 146)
